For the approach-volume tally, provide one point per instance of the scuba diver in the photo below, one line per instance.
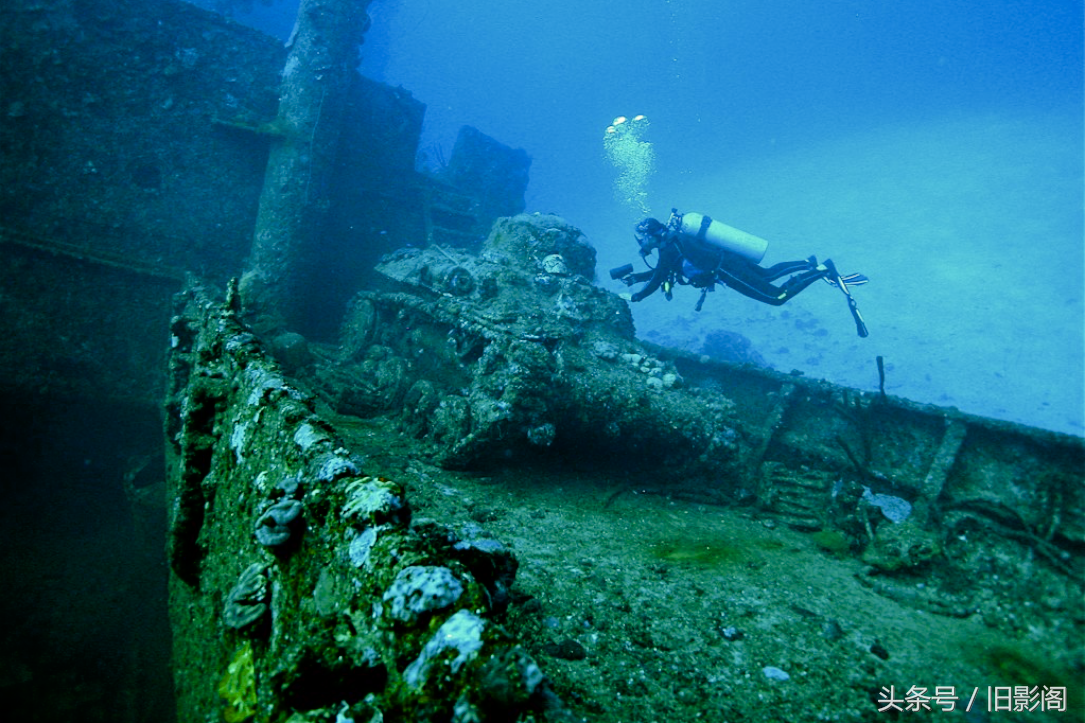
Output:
(699, 251)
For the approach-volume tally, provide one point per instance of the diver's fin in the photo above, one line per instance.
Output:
(833, 277)
(850, 280)
(860, 325)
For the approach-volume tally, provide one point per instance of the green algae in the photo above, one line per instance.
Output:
(238, 686)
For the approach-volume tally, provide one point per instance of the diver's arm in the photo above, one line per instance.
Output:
(658, 277)
(668, 257)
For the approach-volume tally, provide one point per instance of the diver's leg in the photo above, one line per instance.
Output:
(767, 293)
(753, 287)
(786, 268)
(797, 283)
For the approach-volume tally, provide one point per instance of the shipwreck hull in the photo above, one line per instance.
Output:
(933, 456)
(299, 588)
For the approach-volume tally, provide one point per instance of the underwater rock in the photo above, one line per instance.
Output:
(420, 401)
(358, 329)
(451, 420)
(292, 351)
(547, 284)
(421, 589)
(461, 633)
(555, 264)
(832, 631)
(902, 546)
(605, 350)
(337, 465)
(266, 386)
(542, 435)
(491, 564)
(310, 435)
(773, 673)
(895, 509)
(273, 529)
(732, 634)
(246, 602)
(360, 545)
(729, 346)
(509, 677)
(566, 649)
(243, 342)
(331, 593)
(375, 500)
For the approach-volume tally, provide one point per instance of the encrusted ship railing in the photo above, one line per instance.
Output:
(299, 587)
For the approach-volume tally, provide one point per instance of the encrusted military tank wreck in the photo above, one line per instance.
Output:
(515, 348)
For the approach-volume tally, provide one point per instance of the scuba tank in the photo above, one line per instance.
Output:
(719, 235)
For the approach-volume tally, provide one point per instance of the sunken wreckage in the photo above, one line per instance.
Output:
(301, 585)
(283, 538)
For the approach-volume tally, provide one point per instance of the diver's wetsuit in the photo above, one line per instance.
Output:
(703, 265)
(670, 262)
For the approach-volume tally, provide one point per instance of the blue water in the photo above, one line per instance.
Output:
(935, 147)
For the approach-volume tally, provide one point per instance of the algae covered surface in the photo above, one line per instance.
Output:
(642, 607)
